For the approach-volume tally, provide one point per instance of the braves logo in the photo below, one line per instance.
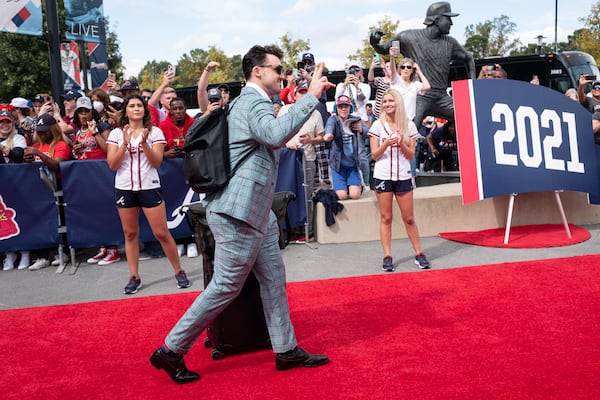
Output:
(176, 214)
(8, 223)
(380, 186)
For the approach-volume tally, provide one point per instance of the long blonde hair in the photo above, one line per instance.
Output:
(9, 140)
(400, 119)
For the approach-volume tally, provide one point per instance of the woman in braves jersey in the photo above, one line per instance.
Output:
(135, 151)
(89, 140)
(393, 141)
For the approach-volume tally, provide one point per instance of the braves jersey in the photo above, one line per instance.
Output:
(392, 165)
(135, 172)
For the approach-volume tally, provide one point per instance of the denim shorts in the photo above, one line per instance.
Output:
(143, 198)
(346, 176)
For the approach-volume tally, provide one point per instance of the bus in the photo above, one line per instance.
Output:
(558, 71)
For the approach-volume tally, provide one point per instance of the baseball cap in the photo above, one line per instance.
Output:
(302, 86)
(214, 94)
(130, 84)
(308, 57)
(70, 95)
(19, 102)
(5, 116)
(115, 99)
(223, 87)
(84, 102)
(343, 99)
(595, 82)
(44, 123)
(439, 8)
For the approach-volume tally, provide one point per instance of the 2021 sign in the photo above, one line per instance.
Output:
(536, 148)
(515, 137)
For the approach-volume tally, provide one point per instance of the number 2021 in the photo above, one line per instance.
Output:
(541, 149)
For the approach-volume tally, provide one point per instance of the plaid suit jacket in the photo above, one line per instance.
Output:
(254, 128)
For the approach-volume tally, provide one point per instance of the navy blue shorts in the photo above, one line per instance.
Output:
(143, 198)
(393, 186)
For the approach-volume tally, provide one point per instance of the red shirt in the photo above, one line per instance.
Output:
(175, 135)
(61, 150)
(287, 94)
(154, 115)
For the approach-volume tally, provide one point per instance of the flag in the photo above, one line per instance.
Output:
(71, 67)
(98, 64)
(24, 17)
(85, 20)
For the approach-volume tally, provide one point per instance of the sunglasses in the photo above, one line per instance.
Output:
(406, 67)
(596, 87)
(276, 68)
(354, 70)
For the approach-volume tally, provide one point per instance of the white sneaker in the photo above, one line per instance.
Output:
(39, 264)
(144, 256)
(180, 249)
(56, 261)
(192, 250)
(24, 263)
(9, 261)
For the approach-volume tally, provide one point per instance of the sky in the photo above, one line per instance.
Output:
(165, 30)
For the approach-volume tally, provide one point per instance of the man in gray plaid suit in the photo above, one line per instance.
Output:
(245, 230)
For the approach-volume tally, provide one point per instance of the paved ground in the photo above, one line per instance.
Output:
(303, 262)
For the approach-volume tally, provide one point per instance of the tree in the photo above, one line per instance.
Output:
(491, 38)
(151, 75)
(24, 73)
(292, 50)
(191, 65)
(364, 55)
(113, 52)
(588, 39)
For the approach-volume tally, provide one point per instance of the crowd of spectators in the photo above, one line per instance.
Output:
(76, 127)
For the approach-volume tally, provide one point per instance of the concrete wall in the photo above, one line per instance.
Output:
(439, 209)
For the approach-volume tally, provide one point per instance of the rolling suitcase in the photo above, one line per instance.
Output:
(241, 326)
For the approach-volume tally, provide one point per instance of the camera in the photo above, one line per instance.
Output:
(590, 77)
(300, 65)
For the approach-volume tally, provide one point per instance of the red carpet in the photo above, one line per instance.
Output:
(521, 237)
(509, 331)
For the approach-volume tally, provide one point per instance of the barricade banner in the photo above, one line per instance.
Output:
(28, 210)
(515, 137)
(91, 214)
(29, 213)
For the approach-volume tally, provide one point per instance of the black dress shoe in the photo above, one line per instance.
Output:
(174, 366)
(298, 358)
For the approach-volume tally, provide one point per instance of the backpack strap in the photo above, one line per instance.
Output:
(247, 155)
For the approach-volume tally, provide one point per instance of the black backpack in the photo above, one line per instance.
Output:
(206, 165)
